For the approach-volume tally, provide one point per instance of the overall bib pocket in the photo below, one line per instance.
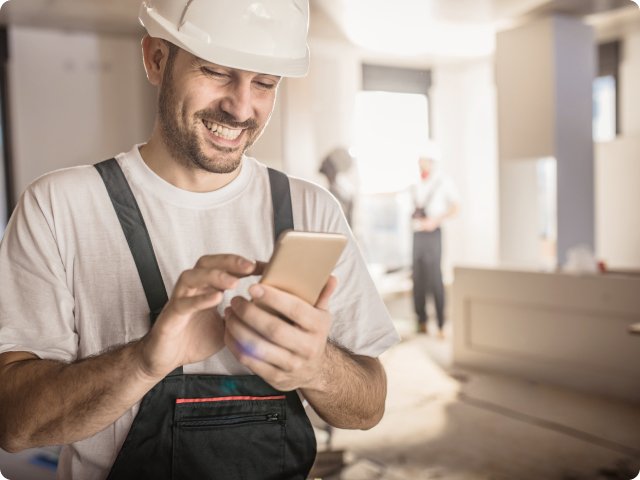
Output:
(229, 437)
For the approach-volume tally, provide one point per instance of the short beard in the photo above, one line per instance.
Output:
(183, 143)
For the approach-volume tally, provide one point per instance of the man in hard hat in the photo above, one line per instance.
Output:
(435, 200)
(131, 324)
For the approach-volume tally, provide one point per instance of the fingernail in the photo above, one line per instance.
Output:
(256, 291)
(246, 263)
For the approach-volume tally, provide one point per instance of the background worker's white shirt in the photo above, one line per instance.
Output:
(69, 287)
(437, 194)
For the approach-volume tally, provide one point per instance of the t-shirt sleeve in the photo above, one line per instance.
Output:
(451, 192)
(36, 302)
(361, 321)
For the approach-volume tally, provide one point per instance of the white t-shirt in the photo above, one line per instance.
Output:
(69, 287)
(436, 194)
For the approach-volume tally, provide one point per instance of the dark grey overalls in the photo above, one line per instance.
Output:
(426, 266)
(207, 426)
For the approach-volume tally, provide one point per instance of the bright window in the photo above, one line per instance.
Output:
(604, 108)
(391, 130)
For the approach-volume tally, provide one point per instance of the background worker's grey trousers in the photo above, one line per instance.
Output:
(427, 274)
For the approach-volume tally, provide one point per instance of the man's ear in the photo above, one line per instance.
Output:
(155, 53)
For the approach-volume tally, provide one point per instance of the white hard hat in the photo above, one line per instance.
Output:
(264, 36)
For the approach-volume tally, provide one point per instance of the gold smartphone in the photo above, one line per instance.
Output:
(302, 262)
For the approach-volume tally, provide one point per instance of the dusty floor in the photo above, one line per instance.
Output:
(445, 423)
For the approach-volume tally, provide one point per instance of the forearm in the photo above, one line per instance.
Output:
(351, 390)
(45, 402)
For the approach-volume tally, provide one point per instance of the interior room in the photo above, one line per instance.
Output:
(530, 107)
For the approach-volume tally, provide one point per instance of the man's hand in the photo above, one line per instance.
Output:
(189, 329)
(287, 354)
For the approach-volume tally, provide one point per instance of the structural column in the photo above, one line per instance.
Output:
(544, 73)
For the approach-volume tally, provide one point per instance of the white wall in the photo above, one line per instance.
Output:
(519, 214)
(630, 84)
(464, 124)
(525, 76)
(75, 98)
(299, 153)
(618, 171)
(618, 197)
(320, 107)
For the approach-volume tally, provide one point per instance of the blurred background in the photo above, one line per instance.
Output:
(534, 109)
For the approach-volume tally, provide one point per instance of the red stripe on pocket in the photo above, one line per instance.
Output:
(227, 399)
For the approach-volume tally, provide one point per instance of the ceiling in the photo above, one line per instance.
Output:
(448, 29)
(436, 28)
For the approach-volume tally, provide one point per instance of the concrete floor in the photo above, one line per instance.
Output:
(445, 423)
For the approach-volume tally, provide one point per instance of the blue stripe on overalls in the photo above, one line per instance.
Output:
(218, 427)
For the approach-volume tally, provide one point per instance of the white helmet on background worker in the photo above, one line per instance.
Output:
(264, 36)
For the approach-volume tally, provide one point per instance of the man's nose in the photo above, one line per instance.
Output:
(237, 101)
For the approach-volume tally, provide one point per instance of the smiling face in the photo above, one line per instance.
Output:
(210, 115)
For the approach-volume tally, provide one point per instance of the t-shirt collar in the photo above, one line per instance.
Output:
(149, 181)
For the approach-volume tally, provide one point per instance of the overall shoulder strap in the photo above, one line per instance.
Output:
(434, 189)
(136, 234)
(281, 200)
